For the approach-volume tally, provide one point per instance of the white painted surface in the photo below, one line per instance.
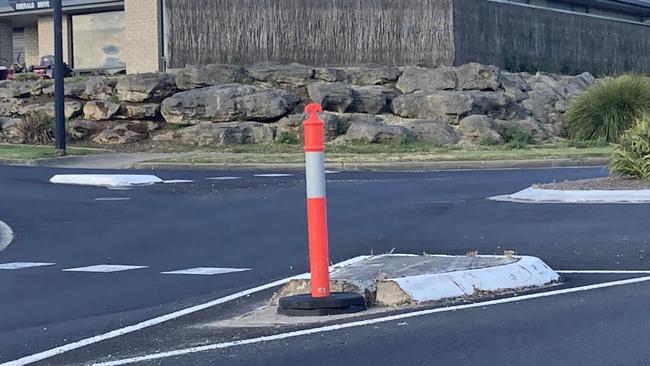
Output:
(206, 271)
(23, 265)
(538, 195)
(361, 323)
(602, 271)
(112, 198)
(332, 172)
(106, 180)
(164, 318)
(274, 175)
(177, 181)
(223, 178)
(526, 272)
(315, 174)
(104, 268)
(6, 236)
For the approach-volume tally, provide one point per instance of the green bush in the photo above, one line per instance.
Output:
(517, 137)
(607, 108)
(287, 139)
(632, 157)
(37, 129)
(28, 76)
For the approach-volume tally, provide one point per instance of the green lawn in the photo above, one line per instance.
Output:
(26, 152)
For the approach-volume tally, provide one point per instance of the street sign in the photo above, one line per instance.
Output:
(20, 5)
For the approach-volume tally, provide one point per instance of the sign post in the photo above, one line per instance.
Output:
(59, 90)
(321, 301)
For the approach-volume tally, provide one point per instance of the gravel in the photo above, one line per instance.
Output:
(605, 184)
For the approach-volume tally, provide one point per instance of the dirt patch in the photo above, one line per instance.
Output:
(605, 184)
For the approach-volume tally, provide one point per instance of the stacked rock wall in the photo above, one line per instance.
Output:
(218, 105)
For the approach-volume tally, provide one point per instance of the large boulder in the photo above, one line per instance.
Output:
(371, 99)
(377, 132)
(99, 110)
(82, 129)
(497, 105)
(427, 80)
(336, 96)
(293, 125)
(438, 133)
(220, 134)
(372, 74)
(193, 77)
(446, 105)
(8, 122)
(150, 87)
(516, 85)
(14, 89)
(225, 103)
(99, 88)
(140, 111)
(474, 76)
(291, 74)
(330, 74)
(479, 130)
(72, 90)
(10, 130)
(71, 109)
(9, 107)
(126, 132)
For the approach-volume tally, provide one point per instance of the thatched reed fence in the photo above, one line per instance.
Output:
(314, 32)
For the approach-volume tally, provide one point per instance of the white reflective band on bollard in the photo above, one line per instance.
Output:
(315, 171)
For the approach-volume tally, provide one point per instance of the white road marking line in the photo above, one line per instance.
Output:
(604, 271)
(275, 175)
(223, 178)
(332, 172)
(335, 327)
(103, 268)
(23, 265)
(164, 318)
(175, 181)
(112, 198)
(206, 271)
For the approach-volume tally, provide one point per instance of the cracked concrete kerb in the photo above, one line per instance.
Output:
(539, 195)
(6, 236)
(402, 280)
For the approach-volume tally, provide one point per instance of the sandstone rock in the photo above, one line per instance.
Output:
(99, 110)
(140, 111)
(330, 74)
(99, 88)
(291, 74)
(474, 76)
(427, 80)
(9, 107)
(8, 122)
(14, 89)
(220, 134)
(334, 96)
(374, 132)
(72, 90)
(192, 77)
(71, 109)
(436, 132)
(372, 74)
(449, 105)
(477, 129)
(569, 86)
(81, 129)
(226, 103)
(126, 132)
(293, 125)
(516, 85)
(371, 99)
(151, 87)
(497, 105)
(10, 131)
(37, 87)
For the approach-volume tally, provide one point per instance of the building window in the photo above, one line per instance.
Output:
(19, 46)
(97, 41)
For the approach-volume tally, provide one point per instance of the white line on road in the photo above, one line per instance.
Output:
(175, 181)
(206, 271)
(104, 268)
(604, 271)
(223, 178)
(335, 327)
(161, 319)
(277, 175)
(23, 265)
(112, 198)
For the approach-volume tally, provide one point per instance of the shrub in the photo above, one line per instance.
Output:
(607, 108)
(37, 129)
(28, 76)
(517, 137)
(287, 139)
(632, 157)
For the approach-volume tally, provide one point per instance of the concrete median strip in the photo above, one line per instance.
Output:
(6, 236)
(106, 180)
(539, 195)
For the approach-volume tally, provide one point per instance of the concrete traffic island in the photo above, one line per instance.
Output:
(6, 236)
(399, 281)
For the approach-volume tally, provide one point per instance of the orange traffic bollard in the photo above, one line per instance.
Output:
(321, 301)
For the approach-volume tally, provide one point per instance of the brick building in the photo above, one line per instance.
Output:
(150, 35)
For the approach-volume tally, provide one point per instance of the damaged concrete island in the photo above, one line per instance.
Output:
(398, 281)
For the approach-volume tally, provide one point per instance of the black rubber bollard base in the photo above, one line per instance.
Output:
(337, 303)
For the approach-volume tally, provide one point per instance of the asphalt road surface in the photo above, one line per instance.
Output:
(100, 261)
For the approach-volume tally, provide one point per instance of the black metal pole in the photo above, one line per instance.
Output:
(59, 90)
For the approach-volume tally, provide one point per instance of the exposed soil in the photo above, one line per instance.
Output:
(605, 184)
